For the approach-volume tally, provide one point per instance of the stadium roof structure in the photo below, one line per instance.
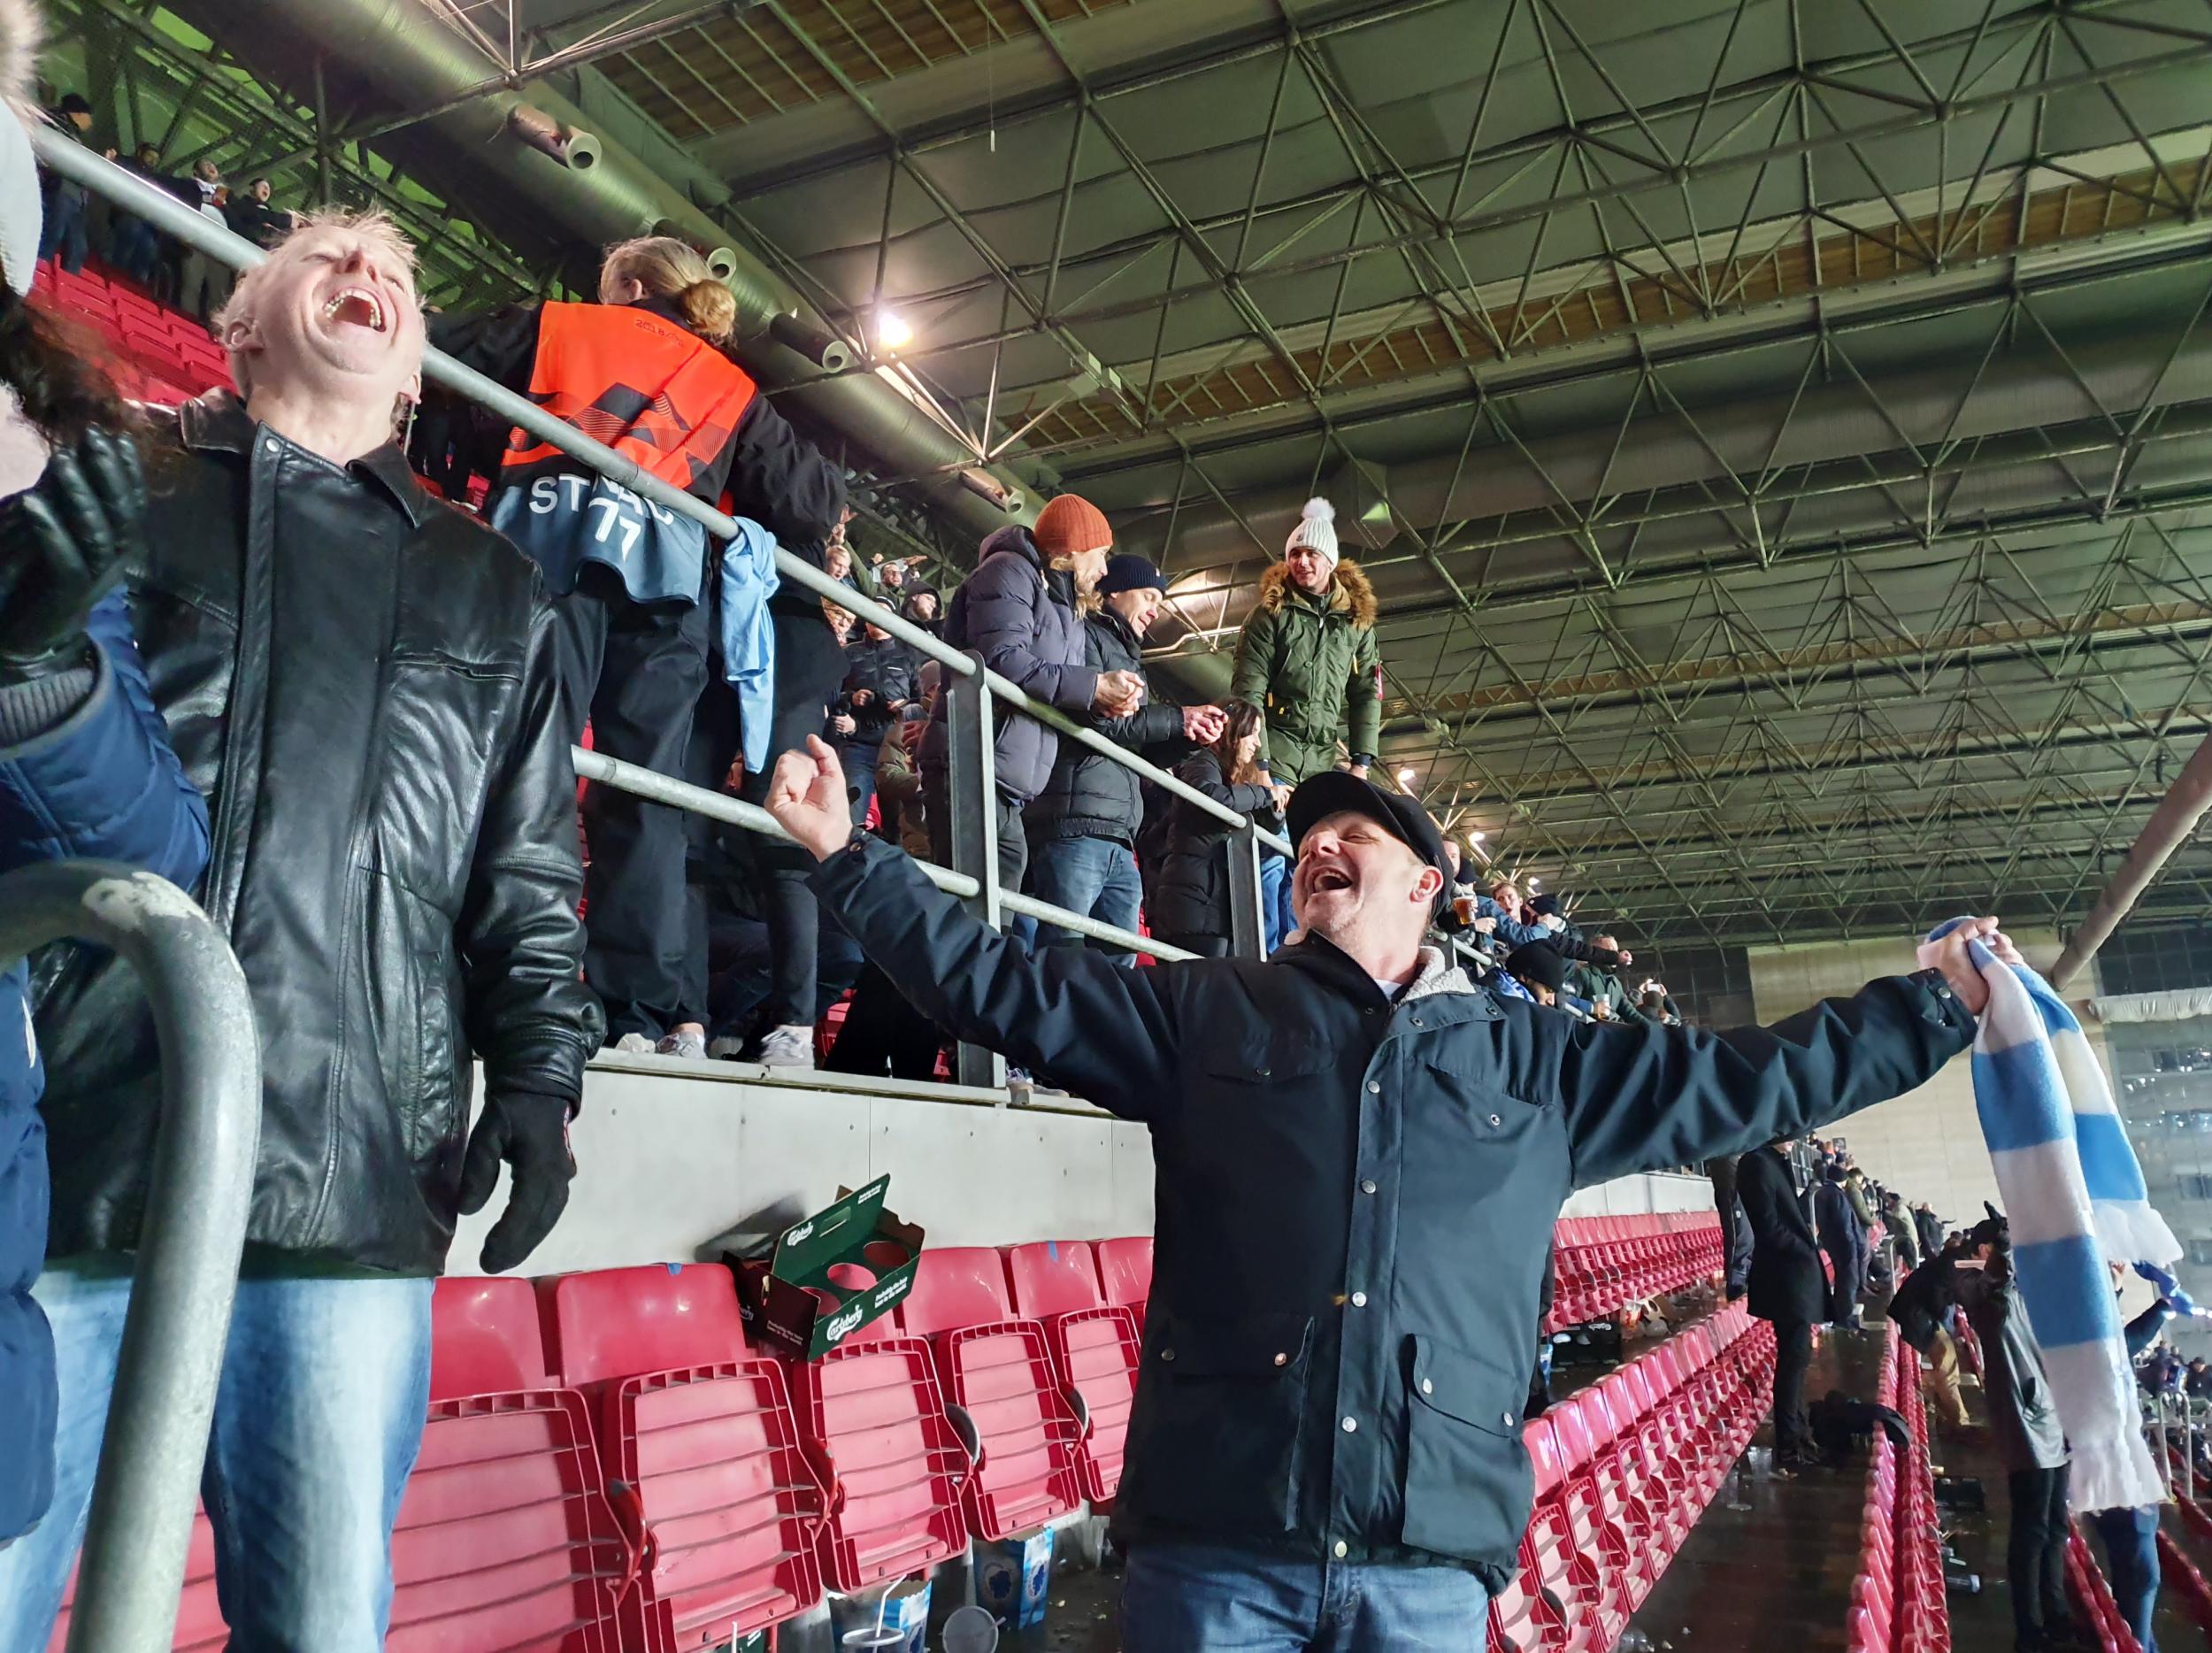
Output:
(1776, 429)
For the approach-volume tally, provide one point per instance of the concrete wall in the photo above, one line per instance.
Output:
(670, 1155)
(1926, 1144)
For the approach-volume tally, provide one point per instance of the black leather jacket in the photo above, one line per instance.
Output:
(398, 891)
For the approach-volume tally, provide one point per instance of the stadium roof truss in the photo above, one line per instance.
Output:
(1777, 430)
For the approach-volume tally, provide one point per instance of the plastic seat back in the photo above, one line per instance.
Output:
(1125, 1270)
(1053, 1277)
(622, 1322)
(956, 1286)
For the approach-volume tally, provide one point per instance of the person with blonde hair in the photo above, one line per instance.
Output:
(361, 681)
(646, 370)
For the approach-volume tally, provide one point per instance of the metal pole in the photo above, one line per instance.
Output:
(2167, 830)
(197, 1191)
(972, 800)
(1247, 924)
(73, 161)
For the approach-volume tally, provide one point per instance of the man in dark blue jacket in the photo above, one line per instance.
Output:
(1360, 1156)
(86, 773)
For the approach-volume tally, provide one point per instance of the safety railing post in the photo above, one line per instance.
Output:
(972, 795)
(190, 1235)
(1248, 921)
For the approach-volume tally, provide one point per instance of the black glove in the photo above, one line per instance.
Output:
(529, 1132)
(63, 546)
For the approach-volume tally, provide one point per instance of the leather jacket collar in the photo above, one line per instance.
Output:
(218, 423)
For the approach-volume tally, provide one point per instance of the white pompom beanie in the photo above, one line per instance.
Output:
(20, 37)
(1316, 531)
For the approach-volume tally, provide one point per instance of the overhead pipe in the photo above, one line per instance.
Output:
(411, 61)
(2167, 830)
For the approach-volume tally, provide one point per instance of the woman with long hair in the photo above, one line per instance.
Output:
(645, 372)
(1190, 882)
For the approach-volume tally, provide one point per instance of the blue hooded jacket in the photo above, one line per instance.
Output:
(102, 785)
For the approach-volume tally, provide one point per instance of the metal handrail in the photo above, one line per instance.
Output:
(190, 1236)
(72, 160)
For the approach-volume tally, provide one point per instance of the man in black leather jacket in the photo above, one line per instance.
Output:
(359, 678)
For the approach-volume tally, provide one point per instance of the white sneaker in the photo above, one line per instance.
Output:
(635, 1044)
(726, 1048)
(690, 1045)
(791, 1045)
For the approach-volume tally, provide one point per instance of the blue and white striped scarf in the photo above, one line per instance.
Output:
(2076, 1200)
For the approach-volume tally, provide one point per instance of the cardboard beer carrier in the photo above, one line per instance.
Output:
(848, 1264)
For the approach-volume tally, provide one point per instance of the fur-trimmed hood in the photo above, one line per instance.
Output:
(1353, 591)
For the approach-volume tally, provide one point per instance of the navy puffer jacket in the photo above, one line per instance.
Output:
(102, 785)
(1020, 615)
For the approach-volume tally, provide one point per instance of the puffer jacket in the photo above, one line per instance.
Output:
(410, 899)
(1188, 894)
(100, 784)
(1087, 796)
(1356, 1195)
(1313, 667)
(883, 667)
(1020, 616)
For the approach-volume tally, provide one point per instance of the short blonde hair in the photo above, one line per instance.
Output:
(674, 269)
(372, 226)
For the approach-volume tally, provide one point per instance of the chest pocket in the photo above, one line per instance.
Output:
(442, 718)
(1267, 1061)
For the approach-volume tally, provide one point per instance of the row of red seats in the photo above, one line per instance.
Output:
(1602, 1264)
(609, 1468)
(1897, 1600)
(163, 355)
(1622, 1472)
(2093, 1606)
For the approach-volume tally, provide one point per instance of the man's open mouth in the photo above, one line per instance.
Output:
(1329, 878)
(357, 305)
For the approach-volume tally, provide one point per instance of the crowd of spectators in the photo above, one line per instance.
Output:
(77, 225)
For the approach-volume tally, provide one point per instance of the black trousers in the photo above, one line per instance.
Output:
(1793, 1355)
(1205, 946)
(2035, 1552)
(636, 671)
(809, 668)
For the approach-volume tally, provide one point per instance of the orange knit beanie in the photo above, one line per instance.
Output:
(1070, 524)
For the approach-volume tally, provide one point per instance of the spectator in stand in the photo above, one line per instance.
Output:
(879, 683)
(250, 215)
(1735, 1230)
(393, 863)
(1189, 890)
(63, 227)
(1307, 656)
(1021, 609)
(1082, 827)
(1539, 971)
(1844, 1241)
(1600, 986)
(1921, 1307)
(133, 246)
(1927, 1227)
(921, 607)
(86, 768)
(203, 283)
(1784, 1286)
(628, 582)
(2025, 1425)
(1898, 1221)
(2198, 1383)
(1657, 1006)
(1321, 1126)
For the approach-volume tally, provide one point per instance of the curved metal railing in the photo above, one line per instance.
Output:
(190, 1236)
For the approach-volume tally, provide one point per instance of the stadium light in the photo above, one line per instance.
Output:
(891, 333)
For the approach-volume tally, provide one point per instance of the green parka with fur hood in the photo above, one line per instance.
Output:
(1311, 664)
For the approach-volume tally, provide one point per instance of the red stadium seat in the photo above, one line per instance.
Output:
(999, 1368)
(506, 1538)
(702, 1453)
(1094, 1350)
(1125, 1273)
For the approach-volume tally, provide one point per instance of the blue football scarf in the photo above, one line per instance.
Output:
(2075, 1197)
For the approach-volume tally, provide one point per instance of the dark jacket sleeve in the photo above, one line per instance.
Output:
(1202, 774)
(781, 482)
(1645, 1098)
(522, 946)
(1363, 698)
(1108, 1034)
(1152, 724)
(2143, 1330)
(1002, 596)
(501, 344)
(102, 784)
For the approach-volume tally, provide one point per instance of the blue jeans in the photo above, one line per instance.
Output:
(325, 1386)
(1275, 900)
(1208, 1598)
(1094, 877)
(64, 230)
(2130, 1548)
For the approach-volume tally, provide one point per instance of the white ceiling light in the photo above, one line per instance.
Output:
(1533, 882)
(1405, 777)
(891, 333)
(1476, 837)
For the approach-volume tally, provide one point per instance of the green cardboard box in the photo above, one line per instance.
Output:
(848, 1264)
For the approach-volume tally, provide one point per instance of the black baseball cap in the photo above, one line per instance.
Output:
(1335, 790)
